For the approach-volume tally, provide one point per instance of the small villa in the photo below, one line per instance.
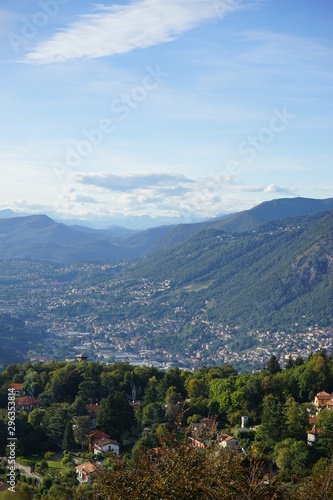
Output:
(27, 404)
(230, 442)
(323, 400)
(105, 445)
(85, 472)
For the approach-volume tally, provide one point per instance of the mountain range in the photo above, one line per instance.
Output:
(40, 237)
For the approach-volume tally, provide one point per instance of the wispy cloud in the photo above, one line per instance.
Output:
(118, 29)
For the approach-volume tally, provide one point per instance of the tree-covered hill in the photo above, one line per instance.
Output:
(276, 275)
(16, 339)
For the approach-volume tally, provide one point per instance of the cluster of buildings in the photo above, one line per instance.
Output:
(322, 400)
(89, 307)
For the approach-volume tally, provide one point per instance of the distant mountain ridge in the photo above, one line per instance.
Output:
(247, 220)
(40, 237)
(7, 213)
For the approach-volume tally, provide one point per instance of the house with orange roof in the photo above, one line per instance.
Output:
(27, 404)
(323, 400)
(228, 442)
(85, 473)
(95, 436)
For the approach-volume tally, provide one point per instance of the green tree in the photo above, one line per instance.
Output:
(3, 436)
(81, 429)
(151, 391)
(78, 408)
(292, 457)
(296, 419)
(55, 420)
(115, 415)
(59, 492)
(88, 391)
(65, 384)
(35, 418)
(152, 413)
(25, 492)
(173, 403)
(68, 442)
(197, 387)
(290, 363)
(325, 423)
(172, 378)
(272, 429)
(109, 384)
(273, 366)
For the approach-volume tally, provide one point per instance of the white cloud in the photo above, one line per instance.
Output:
(133, 182)
(271, 188)
(118, 29)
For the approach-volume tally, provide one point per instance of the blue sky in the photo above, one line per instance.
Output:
(187, 108)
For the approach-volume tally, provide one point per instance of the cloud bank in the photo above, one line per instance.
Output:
(118, 29)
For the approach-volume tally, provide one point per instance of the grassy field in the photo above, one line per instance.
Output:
(197, 287)
(52, 464)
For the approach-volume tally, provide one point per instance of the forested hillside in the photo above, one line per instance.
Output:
(16, 339)
(274, 276)
(158, 424)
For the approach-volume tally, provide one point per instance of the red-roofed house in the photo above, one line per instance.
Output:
(17, 388)
(96, 436)
(85, 472)
(227, 441)
(26, 403)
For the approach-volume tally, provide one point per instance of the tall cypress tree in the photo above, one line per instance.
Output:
(68, 442)
(273, 366)
(273, 422)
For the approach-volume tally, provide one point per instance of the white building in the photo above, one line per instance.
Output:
(105, 445)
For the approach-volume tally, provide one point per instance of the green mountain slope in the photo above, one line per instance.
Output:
(274, 276)
(16, 339)
(246, 220)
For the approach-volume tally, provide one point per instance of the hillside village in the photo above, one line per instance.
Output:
(94, 315)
